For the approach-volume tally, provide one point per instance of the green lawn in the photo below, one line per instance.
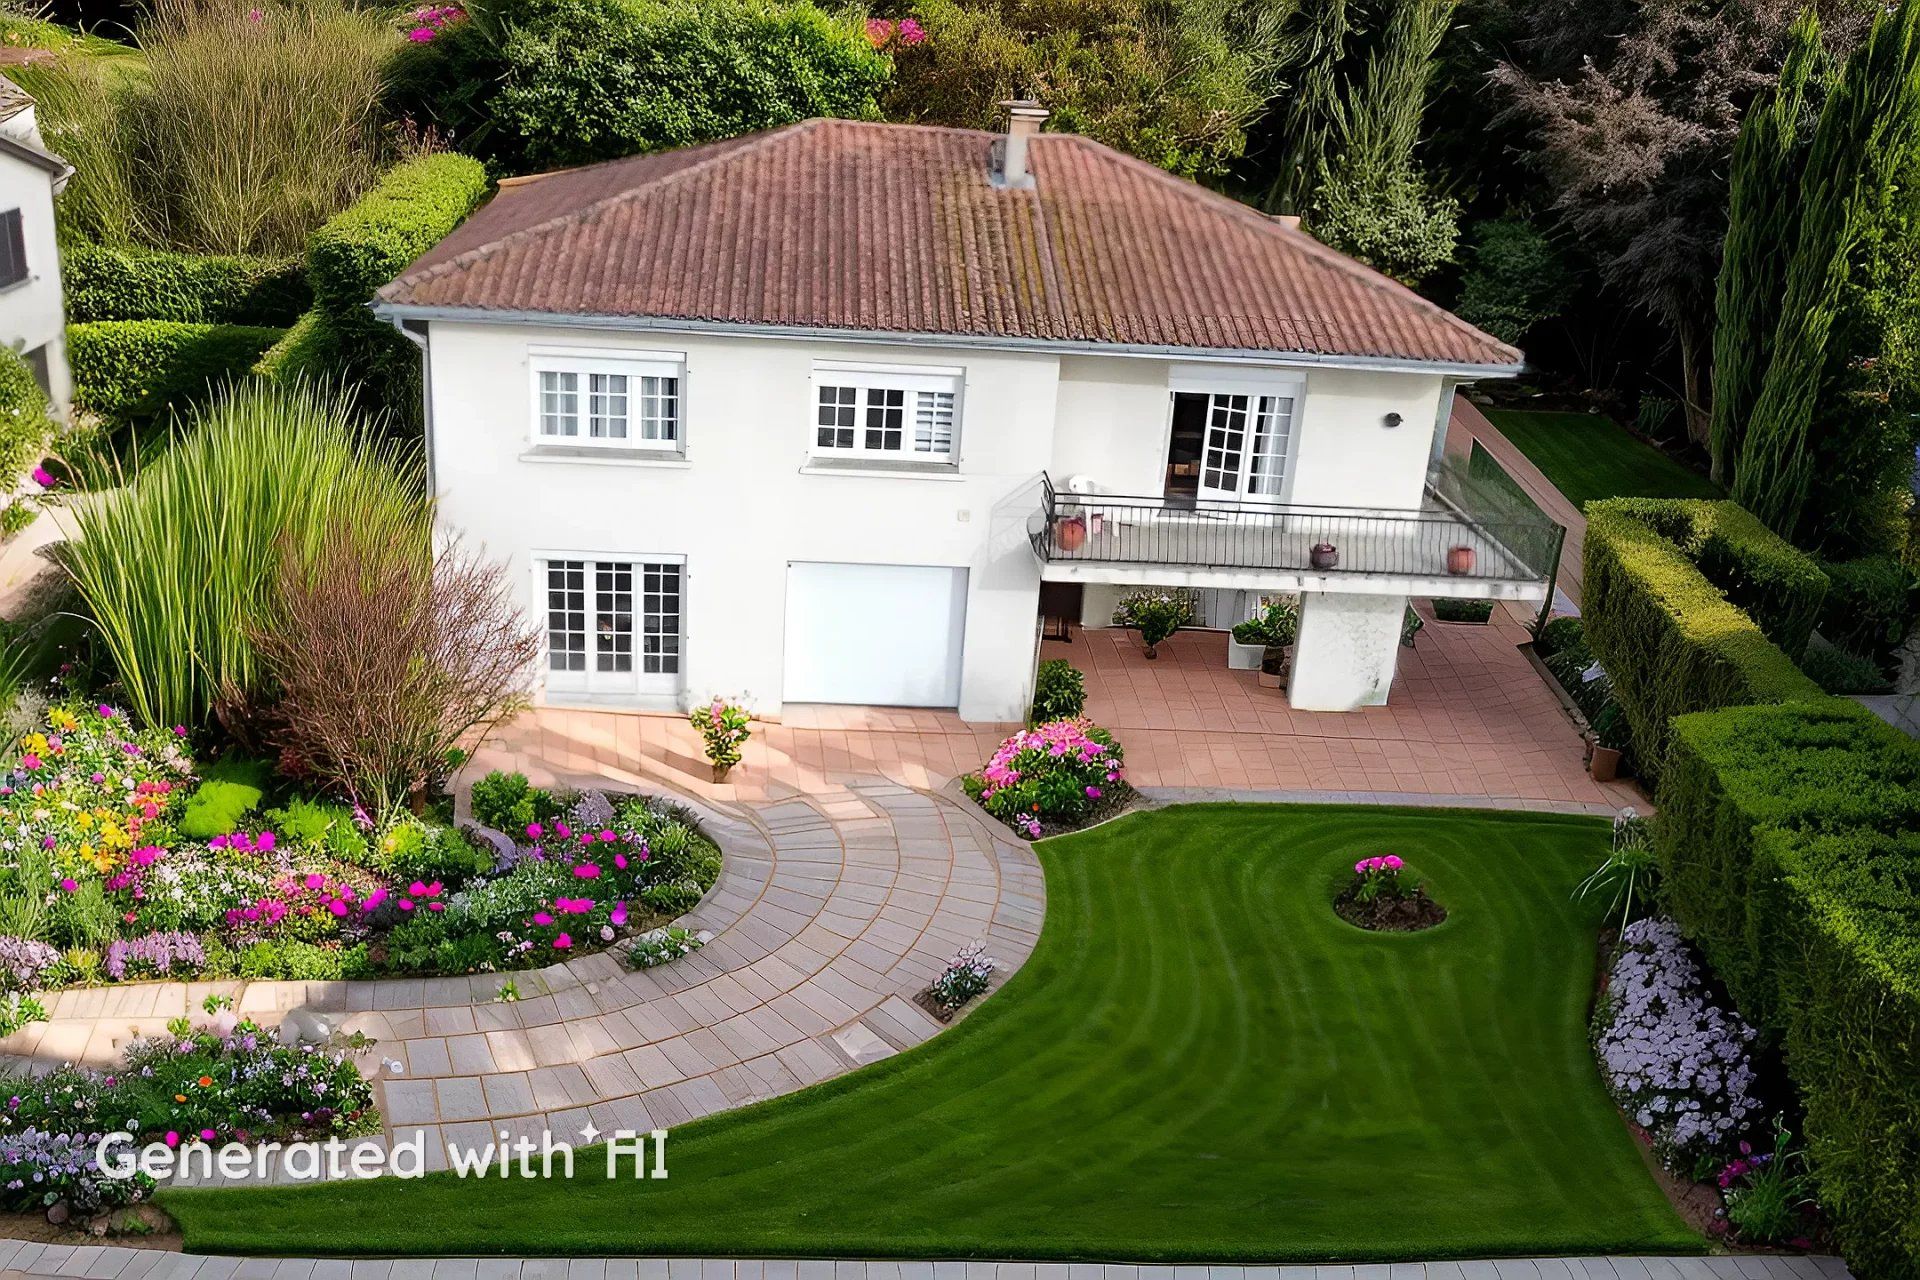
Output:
(1589, 456)
(1200, 1061)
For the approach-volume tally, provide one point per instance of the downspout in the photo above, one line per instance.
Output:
(415, 331)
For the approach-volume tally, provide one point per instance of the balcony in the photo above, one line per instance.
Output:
(1465, 541)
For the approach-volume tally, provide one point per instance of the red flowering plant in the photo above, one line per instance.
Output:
(1055, 774)
(888, 34)
(427, 23)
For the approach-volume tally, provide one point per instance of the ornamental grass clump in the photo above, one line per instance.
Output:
(1056, 774)
(1675, 1061)
(177, 570)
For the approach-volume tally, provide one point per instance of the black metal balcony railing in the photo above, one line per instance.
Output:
(1442, 540)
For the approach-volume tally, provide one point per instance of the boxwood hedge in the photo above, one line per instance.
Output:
(409, 211)
(1790, 840)
(359, 249)
(24, 423)
(131, 371)
(125, 284)
(1692, 604)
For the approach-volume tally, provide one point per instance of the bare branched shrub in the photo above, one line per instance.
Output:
(385, 656)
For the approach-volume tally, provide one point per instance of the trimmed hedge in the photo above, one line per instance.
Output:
(359, 249)
(372, 240)
(1789, 836)
(1680, 597)
(131, 371)
(1870, 605)
(123, 284)
(24, 418)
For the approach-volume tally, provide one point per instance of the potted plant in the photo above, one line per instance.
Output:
(1459, 560)
(1609, 740)
(723, 726)
(1261, 643)
(1470, 612)
(1324, 555)
(1156, 615)
(1410, 625)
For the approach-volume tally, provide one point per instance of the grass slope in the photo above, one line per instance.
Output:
(1200, 1061)
(1589, 456)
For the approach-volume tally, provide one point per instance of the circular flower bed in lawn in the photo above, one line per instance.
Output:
(120, 861)
(1382, 899)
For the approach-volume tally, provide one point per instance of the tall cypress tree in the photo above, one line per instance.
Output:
(1762, 216)
(1872, 115)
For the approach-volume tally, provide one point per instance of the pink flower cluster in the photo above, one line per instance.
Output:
(1058, 739)
(428, 21)
(1383, 862)
(882, 32)
(241, 842)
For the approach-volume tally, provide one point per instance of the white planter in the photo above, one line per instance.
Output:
(1243, 657)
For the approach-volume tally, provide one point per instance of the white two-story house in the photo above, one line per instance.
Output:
(32, 311)
(811, 415)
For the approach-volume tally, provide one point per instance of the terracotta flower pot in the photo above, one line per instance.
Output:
(1460, 560)
(1605, 764)
(1070, 533)
(720, 772)
(1153, 651)
(1324, 555)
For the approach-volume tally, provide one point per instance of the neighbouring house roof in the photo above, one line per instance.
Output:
(836, 225)
(33, 155)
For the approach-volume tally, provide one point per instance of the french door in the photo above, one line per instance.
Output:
(1247, 447)
(613, 626)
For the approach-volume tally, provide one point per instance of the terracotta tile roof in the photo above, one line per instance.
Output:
(834, 224)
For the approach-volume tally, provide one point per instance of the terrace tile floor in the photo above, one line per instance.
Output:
(1468, 718)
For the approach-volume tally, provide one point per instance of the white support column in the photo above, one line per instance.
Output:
(1346, 652)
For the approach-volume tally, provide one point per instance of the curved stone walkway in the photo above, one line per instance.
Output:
(829, 916)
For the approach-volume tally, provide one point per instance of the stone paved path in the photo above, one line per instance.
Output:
(830, 915)
(108, 1263)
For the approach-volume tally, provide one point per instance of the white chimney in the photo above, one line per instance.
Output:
(1024, 118)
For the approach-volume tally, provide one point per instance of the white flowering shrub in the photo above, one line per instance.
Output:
(1679, 1064)
(967, 975)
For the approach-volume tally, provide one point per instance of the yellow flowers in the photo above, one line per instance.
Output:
(35, 744)
(61, 721)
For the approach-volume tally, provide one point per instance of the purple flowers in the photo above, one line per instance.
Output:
(23, 961)
(155, 955)
(1678, 1063)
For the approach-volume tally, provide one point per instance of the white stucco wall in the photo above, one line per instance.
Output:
(31, 313)
(744, 501)
(1346, 651)
(742, 506)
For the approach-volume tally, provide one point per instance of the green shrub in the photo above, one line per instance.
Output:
(1277, 626)
(310, 350)
(1680, 597)
(293, 961)
(586, 80)
(1870, 605)
(24, 420)
(1789, 838)
(412, 851)
(324, 826)
(1516, 279)
(216, 808)
(1059, 691)
(1560, 634)
(1447, 609)
(133, 371)
(504, 801)
(127, 284)
(1837, 671)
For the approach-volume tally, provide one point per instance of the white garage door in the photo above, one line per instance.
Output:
(888, 635)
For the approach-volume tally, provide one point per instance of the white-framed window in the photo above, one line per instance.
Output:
(611, 401)
(1235, 434)
(876, 412)
(615, 625)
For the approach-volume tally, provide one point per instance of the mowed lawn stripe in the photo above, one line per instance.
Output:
(1200, 1061)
